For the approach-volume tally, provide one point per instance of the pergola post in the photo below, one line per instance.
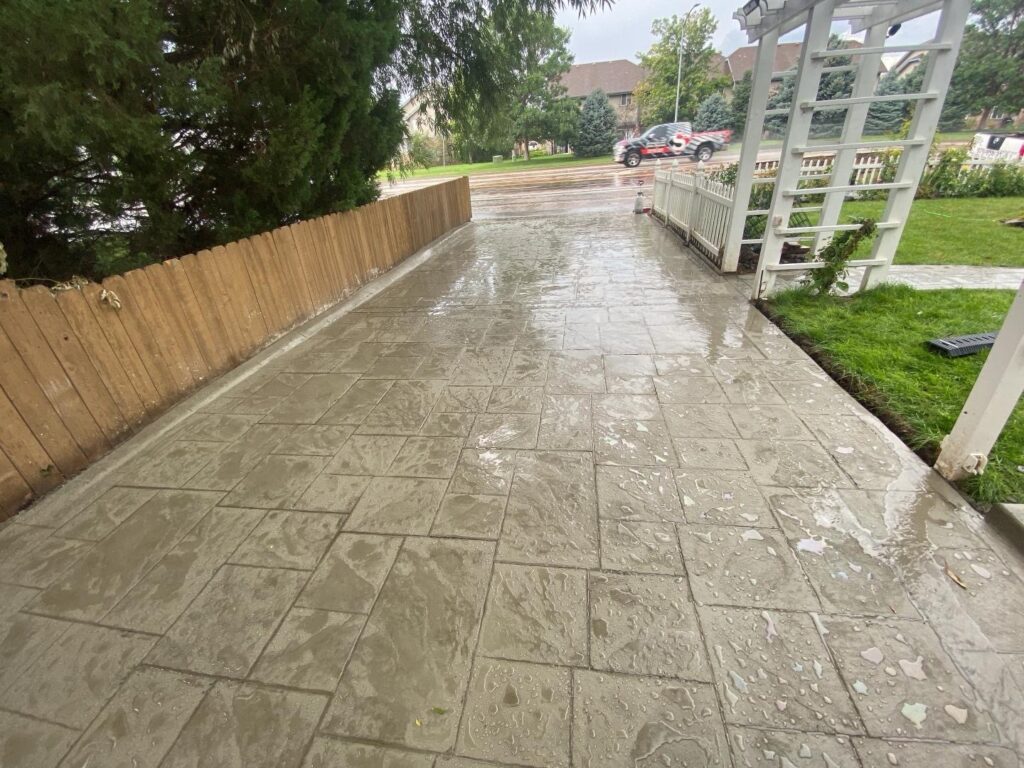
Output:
(994, 396)
(808, 79)
(752, 131)
(938, 73)
(864, 84)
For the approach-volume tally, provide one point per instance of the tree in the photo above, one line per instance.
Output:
(131, 132)
(887, 116)
(833, 85)
(538, 107)
(989, 72)
(656, 94)
(598, 126)
(713, 114)
(741, 100)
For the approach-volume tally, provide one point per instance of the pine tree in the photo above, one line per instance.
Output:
(741, 101)
(713, 114)
(597, 127)
(887, 116)
(136, 131)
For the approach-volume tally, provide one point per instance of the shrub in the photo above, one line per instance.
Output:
(835, 258)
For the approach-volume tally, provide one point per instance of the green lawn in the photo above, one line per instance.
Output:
(956, 231)
(511, 166)
(877, 340)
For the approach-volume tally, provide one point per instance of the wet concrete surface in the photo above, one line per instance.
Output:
(557, 497)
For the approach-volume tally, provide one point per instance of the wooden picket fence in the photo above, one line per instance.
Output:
(83, 367)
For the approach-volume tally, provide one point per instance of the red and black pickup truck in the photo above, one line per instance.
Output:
(670, 140)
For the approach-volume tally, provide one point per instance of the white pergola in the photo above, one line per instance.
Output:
(999, 386)
(765, 21)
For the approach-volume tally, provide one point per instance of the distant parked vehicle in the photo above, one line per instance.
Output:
(1008, 147)
(671, 140)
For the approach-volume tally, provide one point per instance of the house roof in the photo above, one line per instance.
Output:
(612, 77)
(786, 55)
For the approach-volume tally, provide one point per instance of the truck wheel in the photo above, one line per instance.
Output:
(632, 159)
(704, 152)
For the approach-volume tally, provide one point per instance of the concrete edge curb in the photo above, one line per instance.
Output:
(1008, 519)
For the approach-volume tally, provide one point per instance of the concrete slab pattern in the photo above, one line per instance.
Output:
(559, 496)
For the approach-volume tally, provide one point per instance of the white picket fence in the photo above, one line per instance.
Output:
(697, 207)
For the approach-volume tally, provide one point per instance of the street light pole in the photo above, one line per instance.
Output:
(679, 69)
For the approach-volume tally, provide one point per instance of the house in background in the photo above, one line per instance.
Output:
(618, 79)
(741, 61)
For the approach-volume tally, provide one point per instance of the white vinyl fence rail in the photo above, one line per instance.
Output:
(699, 207)
(696, 206)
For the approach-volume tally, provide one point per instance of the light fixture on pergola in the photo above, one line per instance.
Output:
(764, 22)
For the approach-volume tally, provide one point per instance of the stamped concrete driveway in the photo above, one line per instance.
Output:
(557, 497)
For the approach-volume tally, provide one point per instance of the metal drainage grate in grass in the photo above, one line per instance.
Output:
(958, 346)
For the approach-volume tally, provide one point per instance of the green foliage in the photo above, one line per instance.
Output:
(990, 67)
(713, 114)
(741, 100)
(530, 102)
(598, 127)
(888, 116)
(833, 85)
(835, 258)
(946, 177)
(656, 95)
(158, 127)
(424, 151)
(876, 339)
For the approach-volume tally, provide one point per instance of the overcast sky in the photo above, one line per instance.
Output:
(623, 30)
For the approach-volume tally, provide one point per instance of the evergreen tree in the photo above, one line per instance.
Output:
(135, 131)
(833, 85)
(741, 101)
(713, 114)
(598, 127)
(887, 116)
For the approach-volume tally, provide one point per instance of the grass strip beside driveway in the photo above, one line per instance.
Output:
(875, 342)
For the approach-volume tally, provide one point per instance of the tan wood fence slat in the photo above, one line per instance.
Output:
(145, 345)
(107, 317)
(219, 300)
(203, 284)
(14, 491)
(170, 302)
(37, 411)
(261, 282)
(50, 376)
(111, 370)
(83, 367)
(252, 322)
(206, 338)
(28, 453)
(75, 361)
(161, 337)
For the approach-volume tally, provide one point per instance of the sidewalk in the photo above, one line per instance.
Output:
(557, 497)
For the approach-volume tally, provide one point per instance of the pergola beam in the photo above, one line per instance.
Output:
(860, 13)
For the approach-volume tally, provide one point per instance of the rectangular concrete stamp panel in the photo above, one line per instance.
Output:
(551, 517)
(227, 626)
(72, 680)
(112, 567)
(247, 726)
(408, 673)
(141, 722)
